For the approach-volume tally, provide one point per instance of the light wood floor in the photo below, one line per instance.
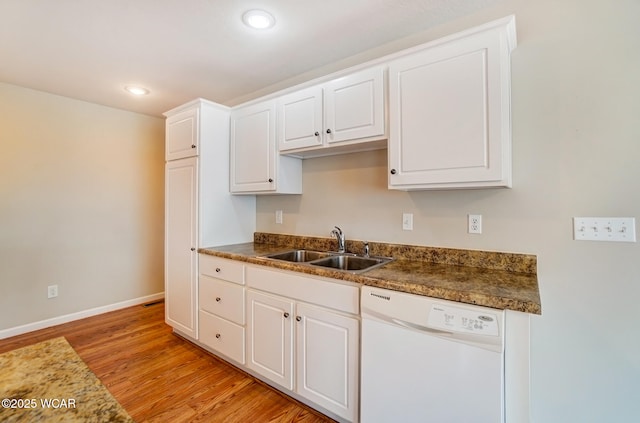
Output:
(159, 377)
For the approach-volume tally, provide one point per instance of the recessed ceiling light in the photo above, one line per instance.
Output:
(258, 19)
(132, 89)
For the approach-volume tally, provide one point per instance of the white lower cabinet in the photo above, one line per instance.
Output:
(311, 350)
(327, 357)
(221, 313)
(270, 337)
(299, 333)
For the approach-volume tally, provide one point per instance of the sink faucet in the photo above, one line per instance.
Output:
(337, 232)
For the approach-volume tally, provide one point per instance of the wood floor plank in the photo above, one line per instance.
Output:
(160, 377)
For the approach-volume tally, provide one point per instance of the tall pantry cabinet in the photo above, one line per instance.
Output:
(199, 209)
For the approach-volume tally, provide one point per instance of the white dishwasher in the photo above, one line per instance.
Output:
(428, 360)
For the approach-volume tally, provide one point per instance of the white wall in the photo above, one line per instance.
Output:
(81, 205)
(576, 142)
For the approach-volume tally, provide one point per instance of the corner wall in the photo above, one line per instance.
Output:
(81, 205)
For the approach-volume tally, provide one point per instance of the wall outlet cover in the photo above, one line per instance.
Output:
(52, 291)
(474, 223)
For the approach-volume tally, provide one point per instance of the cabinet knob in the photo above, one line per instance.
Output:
(328, 131)
(317, 134)
(270, 179)
(393, 171)
(298, 318)
(193, 248)
(218, 335)
(193, 146)
(218, 270)
(218, 299)
(286, 315)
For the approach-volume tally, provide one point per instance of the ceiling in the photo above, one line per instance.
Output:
(183, 49)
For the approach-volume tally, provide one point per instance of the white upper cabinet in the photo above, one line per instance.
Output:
(354, 106)
(300, 119)
(256, 167)
(347, 110)
(182, 135)
(449, 112)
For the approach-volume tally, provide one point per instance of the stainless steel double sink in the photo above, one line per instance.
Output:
(347, 262)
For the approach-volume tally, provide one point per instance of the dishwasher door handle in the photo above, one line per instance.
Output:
(393, 321)
(419, 327)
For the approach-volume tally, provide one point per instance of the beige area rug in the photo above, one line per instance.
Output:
(49, 382)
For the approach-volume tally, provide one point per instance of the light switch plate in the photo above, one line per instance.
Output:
(407, 221)
(616, 229)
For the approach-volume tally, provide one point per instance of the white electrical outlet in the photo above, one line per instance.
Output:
(617, 229)
(278, 216)
(407, 221)
(52, 291)
(474, 224)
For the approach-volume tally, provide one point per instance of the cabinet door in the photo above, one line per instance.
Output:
(269, 337)
(300, 119)
(354, 106)
(327, 353)
(253, 149)
(449, 115)
(180, 245)
(182, 135)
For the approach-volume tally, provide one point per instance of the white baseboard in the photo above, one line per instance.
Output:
(42, 324)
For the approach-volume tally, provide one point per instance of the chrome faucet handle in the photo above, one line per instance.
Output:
(337, 232)
(366, 248)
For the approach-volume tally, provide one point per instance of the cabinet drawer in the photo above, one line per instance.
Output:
(223, 336)
(228, 270)
(221, 298)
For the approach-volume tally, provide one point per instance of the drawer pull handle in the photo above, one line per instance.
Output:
(286, 315)
(218, 270)
(218, 335)
(298, 318)
(218, 299)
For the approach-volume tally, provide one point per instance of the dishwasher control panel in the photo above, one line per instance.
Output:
(454, 319)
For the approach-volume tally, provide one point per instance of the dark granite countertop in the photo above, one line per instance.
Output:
(491, 279)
